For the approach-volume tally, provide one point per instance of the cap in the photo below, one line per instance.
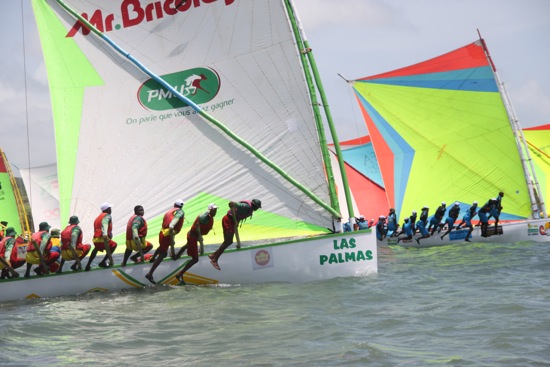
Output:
(178, 203)
(443, 203)
(457, 204)
(212, 206)
(105, 206)
(44, 226)
(56, 233)
(414, 211)
(74, 220)
(475, 202)
(257, 203)
(10, 231)
(425, 207)
(406, 219)
(361, 217)
(382, 217)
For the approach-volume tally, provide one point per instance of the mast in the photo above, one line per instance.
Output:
(305, 49)
(21, 211)
(199, 110)
(537, 205)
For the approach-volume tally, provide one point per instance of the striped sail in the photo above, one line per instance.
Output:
(441, 132)
(124, 139)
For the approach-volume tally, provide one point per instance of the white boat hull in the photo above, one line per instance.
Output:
(305, 260)
(537, 230)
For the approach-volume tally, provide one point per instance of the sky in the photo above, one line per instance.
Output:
(355, 38)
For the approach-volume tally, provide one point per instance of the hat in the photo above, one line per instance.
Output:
(425, 207)
(178, 203)
(414, 212)
(10, 231)
(74, 220)
(361, 217)
(475, 202)
(382, 217)
(257, 203)
(457, 204)
(56, 233)
(44, 226)
(105, 206)
(212, 206)
(406, 219)
(443, 203)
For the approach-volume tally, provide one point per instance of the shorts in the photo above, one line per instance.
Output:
(33, 258)
(131, 245)
(164, 242)
(228, 225)
(192, 247)
(81, 251)
(100, 245)
(2, 266)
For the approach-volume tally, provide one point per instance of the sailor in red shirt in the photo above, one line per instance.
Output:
(171, 226)
(39, 252)
(7, 246)
(136, 231)
(243, 209)
(201, 226)
(103, 232)
(72, 247)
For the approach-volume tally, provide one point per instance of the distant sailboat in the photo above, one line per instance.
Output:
(12, 206)
(207, 102)
(444, 131)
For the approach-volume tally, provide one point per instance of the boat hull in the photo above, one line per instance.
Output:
(537, 230)
(299, 261)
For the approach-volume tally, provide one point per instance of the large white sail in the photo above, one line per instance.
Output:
(124, 140)
(42, 191)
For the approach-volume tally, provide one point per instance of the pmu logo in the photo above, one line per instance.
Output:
(200, 85)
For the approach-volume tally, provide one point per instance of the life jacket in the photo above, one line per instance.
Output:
(239, 214)
(205, 228)
(486, 208)
(98, 233)
(3, 246)
(142, 232)
(453, 213)
(168, 217)
(36, 240)
(66, 237)
(424, 215)
(440, 212)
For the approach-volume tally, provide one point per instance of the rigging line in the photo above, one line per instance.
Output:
(199, 110)
(29, 194)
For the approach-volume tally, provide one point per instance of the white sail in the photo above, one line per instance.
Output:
(138, 144)
(43, 193)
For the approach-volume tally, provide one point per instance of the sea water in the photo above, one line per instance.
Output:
(471, 305)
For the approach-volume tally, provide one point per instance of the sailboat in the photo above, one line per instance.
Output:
(13, 212)
(210, 102)
(12, 205)
(444, 130)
